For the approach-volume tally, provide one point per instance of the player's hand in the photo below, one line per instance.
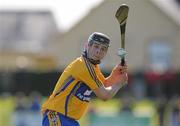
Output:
(119, 69)
(118, 75)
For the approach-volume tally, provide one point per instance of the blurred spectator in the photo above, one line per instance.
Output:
(27, 110)
(138, 86)
(161, 103)
(35, 101)
(19, 118)
(175, 114)
(160, 83)
(21, 101)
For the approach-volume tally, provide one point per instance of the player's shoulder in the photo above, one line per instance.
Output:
(78, 61)
(77, 65)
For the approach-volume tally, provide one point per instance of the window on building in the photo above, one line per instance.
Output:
(159, 55)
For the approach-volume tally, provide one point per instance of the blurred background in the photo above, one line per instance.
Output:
(39, 38)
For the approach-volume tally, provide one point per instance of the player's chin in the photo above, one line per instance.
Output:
(96, 58)
(99, 59)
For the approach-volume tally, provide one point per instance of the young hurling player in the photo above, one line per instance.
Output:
(81, 77)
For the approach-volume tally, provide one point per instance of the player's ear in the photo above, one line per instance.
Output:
(89, 44)
(85, 45)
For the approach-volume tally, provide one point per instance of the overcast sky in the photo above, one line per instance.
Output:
(66, 12)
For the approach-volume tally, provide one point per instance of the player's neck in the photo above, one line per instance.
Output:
(94, 62)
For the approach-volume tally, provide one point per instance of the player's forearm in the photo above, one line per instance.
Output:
(112, 90)
(116, 83)
(109, 81)
(106, 93)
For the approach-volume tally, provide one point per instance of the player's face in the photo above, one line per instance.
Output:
(97, 51)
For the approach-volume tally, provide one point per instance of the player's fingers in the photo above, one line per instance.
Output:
(124, 71)
(123, 68)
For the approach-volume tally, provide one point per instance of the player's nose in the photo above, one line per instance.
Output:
(98, 51)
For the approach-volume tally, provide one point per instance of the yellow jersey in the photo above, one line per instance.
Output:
(74, 88)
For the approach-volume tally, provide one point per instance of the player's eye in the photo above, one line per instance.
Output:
(104, 49)
(96, 46)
